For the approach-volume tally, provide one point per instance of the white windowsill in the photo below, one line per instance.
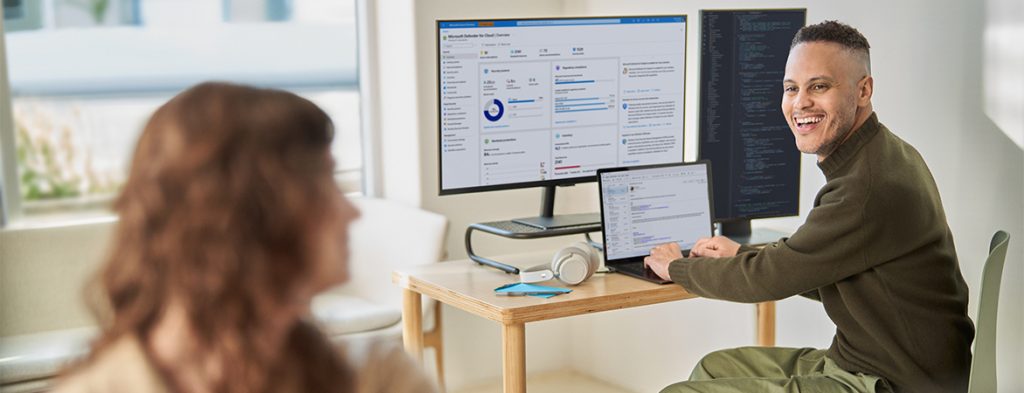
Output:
(50, 221)
(99, 215)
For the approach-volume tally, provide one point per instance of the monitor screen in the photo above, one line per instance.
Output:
(648, 206)
(539, 102)
(742, 131)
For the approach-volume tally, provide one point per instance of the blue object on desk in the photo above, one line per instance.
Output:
(521, 287)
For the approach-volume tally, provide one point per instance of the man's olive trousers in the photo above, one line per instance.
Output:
(770, 370)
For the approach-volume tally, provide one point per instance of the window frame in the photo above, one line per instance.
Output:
(10, 192)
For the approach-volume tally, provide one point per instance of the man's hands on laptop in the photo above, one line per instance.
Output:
(661, 256)
(713, 247)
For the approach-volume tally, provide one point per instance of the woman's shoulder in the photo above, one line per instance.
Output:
(383, 366)
(121, 367)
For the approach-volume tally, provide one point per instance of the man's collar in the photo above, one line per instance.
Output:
(849, 148)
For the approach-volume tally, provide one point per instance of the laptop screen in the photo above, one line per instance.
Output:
(644, 207)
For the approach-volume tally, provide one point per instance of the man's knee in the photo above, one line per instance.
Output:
(714, 365)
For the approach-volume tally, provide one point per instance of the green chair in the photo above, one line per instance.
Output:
(983, 365)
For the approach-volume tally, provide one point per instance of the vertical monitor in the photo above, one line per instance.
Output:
(544, 102)
(742, 130)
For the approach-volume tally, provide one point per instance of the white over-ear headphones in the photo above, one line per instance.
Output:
(571, 265)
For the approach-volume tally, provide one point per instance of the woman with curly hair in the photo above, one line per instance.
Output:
(230, 222)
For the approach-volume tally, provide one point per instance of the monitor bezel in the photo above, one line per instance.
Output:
(700, 103)
(550, 182)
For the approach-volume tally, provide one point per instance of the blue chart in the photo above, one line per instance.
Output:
(493, 110)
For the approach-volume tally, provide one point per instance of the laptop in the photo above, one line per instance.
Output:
(646, 206)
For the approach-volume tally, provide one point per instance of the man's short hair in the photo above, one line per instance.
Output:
(835, 32)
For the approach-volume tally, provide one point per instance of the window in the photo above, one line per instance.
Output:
(85, 75)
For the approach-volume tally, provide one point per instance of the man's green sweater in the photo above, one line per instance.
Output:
(878, 254)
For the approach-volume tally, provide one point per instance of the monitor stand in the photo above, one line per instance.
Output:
(560, 221)
(547, 220)
(739, 231)
(546, 225)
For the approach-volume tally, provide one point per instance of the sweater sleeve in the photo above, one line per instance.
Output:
(746, 248)
(812, 294)
(830, 246)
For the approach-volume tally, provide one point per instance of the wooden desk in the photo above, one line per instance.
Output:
(470, 287)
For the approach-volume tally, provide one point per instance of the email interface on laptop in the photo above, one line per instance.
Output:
(643, 207)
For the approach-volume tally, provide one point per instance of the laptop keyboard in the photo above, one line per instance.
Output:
(638, 269)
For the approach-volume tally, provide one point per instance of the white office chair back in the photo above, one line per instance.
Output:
(388, 236)
(983, 364)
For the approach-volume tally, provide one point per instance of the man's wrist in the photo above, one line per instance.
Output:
(678, 271)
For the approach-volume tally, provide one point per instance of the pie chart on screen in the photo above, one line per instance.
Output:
(493, 110)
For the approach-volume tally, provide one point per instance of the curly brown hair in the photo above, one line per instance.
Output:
(227, 185)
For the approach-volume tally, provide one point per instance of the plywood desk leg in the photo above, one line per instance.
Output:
(513, 352)
(412, 324)
(766, 324)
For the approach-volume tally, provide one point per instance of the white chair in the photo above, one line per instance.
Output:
(983, 365)
(29, 362)
(387, 236)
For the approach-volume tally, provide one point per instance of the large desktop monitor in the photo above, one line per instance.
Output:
(742, 130)
(548, 102)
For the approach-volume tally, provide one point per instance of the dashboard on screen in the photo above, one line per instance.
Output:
(536, 102)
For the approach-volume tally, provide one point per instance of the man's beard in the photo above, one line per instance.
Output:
(831, 145)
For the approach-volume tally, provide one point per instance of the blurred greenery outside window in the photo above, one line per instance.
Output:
(85, 75)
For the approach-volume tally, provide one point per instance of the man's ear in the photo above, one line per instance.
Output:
(865, 88)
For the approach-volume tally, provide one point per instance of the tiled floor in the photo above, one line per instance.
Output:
(554, 382)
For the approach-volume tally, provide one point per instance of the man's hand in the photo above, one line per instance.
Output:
(661, 256)
(714, 247)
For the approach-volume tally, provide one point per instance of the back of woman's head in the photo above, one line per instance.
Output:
(227, 186)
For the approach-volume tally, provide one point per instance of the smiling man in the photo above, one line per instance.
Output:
(875, 250)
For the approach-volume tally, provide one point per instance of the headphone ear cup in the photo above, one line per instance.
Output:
(575, 263)
(595, 257)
